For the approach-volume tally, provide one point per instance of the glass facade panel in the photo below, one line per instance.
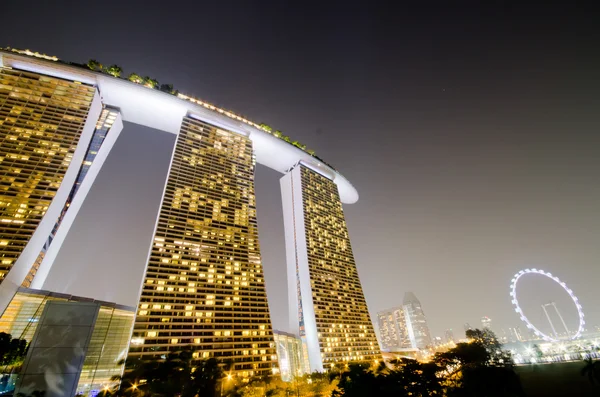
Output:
(108, 345)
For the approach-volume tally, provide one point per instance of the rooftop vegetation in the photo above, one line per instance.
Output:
(151, 83)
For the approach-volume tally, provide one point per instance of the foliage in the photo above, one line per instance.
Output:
(12, 350)
(591, 370)
(150, 82)
(168, 88)
(266, 127)
(479, 368)
(114, 70)
(178, 374)
(93, 64)
(136, 78)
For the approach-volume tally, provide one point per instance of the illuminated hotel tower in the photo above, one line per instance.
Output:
(46, 124)
(326, 301)
(204, 285)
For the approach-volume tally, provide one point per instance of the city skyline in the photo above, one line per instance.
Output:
(492, 153)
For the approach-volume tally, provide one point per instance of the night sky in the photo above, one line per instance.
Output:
(471, 133)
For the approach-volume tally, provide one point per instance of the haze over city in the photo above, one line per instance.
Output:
(471, 136)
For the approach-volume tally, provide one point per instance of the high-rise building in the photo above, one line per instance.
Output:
(292, 355)
(486, 323)
(327, 304)
(416, 321)
(393, 330)
(449, 336)
(204, 284)
(45, 127)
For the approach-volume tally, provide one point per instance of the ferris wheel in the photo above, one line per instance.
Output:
(546, 337)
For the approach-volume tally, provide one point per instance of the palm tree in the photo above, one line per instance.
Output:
(591, 370)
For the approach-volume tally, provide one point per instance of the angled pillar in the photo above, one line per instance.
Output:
(107, 130)
(326, 301)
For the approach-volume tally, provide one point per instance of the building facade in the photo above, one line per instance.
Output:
(204, 285)
(292, 355)
(327, 305)
(416, 322)
(393, 330)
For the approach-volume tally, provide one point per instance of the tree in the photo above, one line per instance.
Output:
(266, 127)
(479, 368)
(150, 82)
(136, 78)
(168, 88)
(114, 70)
(591, 370)
(12, 350)
(413, 378)
(357, 382)
(94, 64)
(178, 374)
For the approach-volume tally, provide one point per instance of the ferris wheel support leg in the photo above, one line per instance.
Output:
(549, 320)
(561, 318)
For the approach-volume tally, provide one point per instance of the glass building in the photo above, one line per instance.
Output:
(416, 322)
(292, 355)
(404, 328)
(107, 345)
(204, 284)
(327, 304)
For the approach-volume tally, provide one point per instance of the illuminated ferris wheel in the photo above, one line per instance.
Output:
(515, 302)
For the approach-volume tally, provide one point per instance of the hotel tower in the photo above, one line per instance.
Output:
(202, 285)
(328, 308)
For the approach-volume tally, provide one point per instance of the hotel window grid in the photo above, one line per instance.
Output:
(342, 318)
(105, 122)
(41, 120)
(204, 286)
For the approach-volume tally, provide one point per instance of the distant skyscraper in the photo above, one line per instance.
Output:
(449, 336)
(393, 330)
(486, 323)
(418, 330)
(327, 304)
